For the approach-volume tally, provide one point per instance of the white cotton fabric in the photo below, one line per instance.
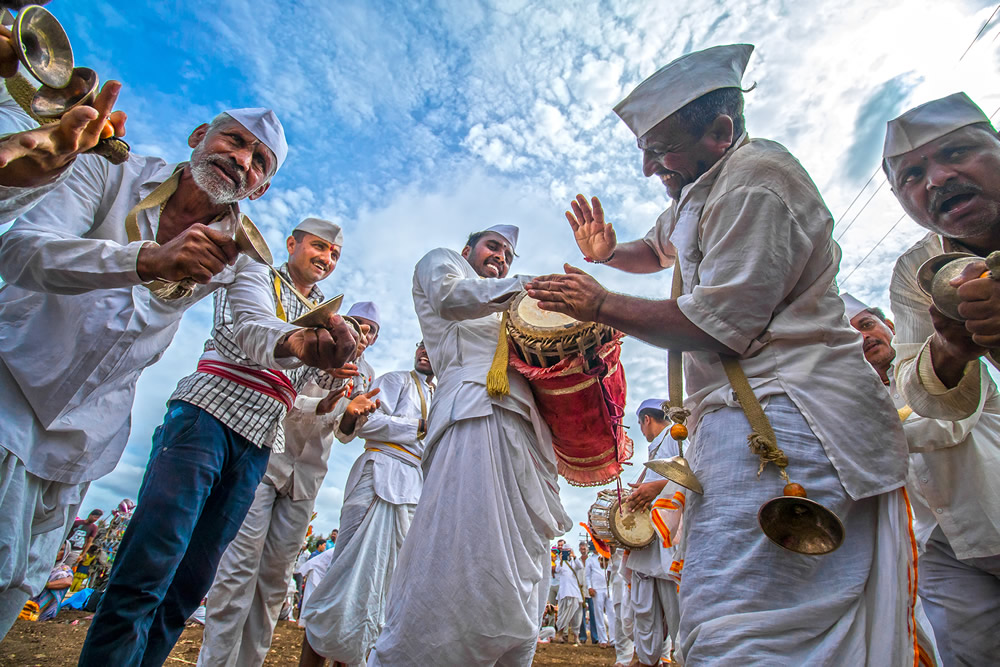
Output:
(329, 231)
(570, 615)
(752, 239)
(38, 514)
(929, 121)
(252, 580)
(569, 583)
(654, 601)
(345, 613)
(744, 600)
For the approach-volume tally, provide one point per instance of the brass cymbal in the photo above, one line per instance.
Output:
(801, 525)
(251, 242)
(51, 102)
(934, 277)
(43, 46)
(676, 469)
(318, 316)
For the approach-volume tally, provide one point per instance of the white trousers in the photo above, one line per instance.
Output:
(345, 613)
(744, 600)
(37, 515)
(604, 615)
(570, 615)
(962, 601)
(491, 503)
(252, 580)
(651, 608)
(624, 646)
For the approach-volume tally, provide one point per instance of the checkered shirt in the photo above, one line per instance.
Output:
(255, 416)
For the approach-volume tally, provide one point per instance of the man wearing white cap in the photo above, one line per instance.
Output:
(941, 159)
(490, 480)
(80, 321)
(653, 594)
(252, 579)
(346, 611)
(756, 267)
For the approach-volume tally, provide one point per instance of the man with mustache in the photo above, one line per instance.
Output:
(490, 480)
(942, 159)
(222, 423)
(346, 611)
(81, 316)
(756, 267)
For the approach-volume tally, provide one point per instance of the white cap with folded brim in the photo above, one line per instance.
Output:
(326, 230)
(853, 307)
(682, 81)
(509, 232)
(927, 122)
(367, 310)
(651, 404)
(264, 125)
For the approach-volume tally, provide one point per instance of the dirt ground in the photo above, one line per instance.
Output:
(57, 644)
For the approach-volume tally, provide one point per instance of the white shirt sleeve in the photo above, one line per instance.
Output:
(47, 250)
(255, 326)
(456, 297)
(382, 425)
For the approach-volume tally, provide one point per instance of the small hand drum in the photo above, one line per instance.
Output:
(543, 338)
(632, 530)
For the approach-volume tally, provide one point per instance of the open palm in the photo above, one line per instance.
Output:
(595, 238)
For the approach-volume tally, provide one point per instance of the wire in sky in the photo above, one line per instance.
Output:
(978, 34)
(858, 214)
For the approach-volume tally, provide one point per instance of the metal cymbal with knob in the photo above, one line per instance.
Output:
(935, 275)
(42, 45)
(676, 469)
(798, 524)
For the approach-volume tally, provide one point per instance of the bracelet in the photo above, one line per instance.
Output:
(600, 261)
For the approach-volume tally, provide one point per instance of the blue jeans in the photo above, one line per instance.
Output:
(198, 487)
(588, 612)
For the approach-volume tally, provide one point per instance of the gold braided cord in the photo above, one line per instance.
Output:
(762, 440)
(497, 382)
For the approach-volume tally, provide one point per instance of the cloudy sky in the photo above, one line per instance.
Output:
(415, 125)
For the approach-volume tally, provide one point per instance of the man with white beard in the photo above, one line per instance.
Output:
(80, 318)
(490, 479)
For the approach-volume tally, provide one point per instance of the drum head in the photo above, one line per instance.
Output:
(633, 529)
(529, 319)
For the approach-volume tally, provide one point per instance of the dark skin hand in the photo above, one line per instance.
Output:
(198, 252)
(597, 239)
(660, 323)
(358, 407)
(955, 343)
(330, 401)
(36, 157)
(326, 347)
(644, 494)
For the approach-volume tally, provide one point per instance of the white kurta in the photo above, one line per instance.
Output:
(596, 579)
(252, 580)
(71, 281)
(490, 481)
(344, 614)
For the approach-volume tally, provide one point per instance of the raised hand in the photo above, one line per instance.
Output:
(360, 406)
(326, 347)
(330, 401)
(595, 238)
(36, 157)
(197, 253)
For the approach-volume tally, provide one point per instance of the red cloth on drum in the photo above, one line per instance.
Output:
(584, 410)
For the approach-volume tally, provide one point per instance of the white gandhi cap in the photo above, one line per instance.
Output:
(326, 230)
(929, 121)
(682, 81)
(264, 125)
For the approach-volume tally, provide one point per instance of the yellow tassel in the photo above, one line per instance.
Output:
(497, 383)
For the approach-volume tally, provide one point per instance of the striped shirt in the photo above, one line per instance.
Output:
(255, 416)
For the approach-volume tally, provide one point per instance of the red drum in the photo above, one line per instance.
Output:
(579, 387)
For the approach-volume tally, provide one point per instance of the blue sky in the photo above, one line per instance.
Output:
(413, 124)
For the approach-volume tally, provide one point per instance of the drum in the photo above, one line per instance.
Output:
(616, 525)
(543, 338)
(578, 384)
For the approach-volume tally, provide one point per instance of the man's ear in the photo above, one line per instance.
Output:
(720, 134)
(290, 245)
(892, 327)
(466, 251)
(199, 133)
(259, 192)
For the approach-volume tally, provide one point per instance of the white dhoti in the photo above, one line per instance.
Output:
(744, 600)
(962, 601)
(651, 604)
(38, 514)
(486, 496)
(570, 615)
(624, 646)
(546, 633)
(252, 580)
(345, 613)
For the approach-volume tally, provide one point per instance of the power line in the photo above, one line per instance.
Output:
(858, 215)
(978, 34)
(858, 196)
(856, 266)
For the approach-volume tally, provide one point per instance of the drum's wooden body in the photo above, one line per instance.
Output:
(616, 525)
(579, 387)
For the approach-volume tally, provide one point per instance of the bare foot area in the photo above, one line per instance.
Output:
(57, 644)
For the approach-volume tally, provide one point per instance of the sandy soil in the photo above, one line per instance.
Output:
(57, 644)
